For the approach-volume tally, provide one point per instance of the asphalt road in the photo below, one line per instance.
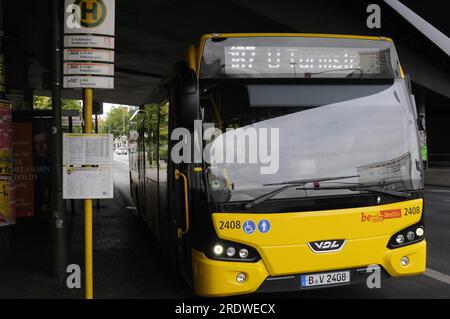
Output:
(435, 283)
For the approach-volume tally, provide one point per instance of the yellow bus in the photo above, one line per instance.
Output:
(282, 162)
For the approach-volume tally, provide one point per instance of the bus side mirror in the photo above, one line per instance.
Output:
(187, 98)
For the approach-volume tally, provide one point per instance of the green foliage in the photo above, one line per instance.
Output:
(153, 132)
(116, 122)
(45, 103)
(164, 132)
(42, 103)
(69, 104)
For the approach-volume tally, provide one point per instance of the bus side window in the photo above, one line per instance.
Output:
(133, 133)
(151, 138)
(163, 135)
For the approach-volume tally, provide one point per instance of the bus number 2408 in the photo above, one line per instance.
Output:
(230, 224)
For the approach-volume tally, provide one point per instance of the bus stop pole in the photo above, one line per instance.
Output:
(89, 286)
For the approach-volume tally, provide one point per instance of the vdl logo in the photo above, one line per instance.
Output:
(86, 13)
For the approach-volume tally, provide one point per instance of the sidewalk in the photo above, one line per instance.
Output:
(126, 259)
(437, 177)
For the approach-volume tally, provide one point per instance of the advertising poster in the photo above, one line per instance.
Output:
(42, 167)
(32, 167)
(7, 211)
(7, 216)
(22, 146)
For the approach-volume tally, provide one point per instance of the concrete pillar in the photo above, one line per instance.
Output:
(58, 222)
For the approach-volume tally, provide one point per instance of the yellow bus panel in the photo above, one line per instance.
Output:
(284, 247)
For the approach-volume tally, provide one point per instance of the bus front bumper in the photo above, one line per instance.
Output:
(219, 278)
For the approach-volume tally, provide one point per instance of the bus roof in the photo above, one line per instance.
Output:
(310, 35)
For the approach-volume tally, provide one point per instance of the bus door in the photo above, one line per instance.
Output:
(184, 99)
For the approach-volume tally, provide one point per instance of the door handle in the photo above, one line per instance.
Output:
(181, 232)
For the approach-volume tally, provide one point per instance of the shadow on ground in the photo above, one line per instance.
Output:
(126, 259)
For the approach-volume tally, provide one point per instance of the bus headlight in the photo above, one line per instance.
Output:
(410, 235)
(218, 250)
(231, 251)
(419, 232)
(400, 239)
(243, 253)
(407, 236)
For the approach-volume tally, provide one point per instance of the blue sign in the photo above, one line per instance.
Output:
(249, 227)
(264, 226)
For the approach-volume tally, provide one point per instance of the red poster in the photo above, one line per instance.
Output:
(7, 211)
(22, 145)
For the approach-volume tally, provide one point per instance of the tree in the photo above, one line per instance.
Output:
(70, 104)
(45, 103)
(42, 103)
(116, 122)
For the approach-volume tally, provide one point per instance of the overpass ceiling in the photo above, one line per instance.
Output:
(424, 59)
(150, 35)
(150, 38)
(435, 12)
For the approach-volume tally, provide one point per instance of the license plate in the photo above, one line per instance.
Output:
(328, 278)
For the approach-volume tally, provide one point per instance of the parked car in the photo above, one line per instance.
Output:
(121, 150)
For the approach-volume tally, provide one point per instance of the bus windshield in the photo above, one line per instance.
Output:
(302, 132)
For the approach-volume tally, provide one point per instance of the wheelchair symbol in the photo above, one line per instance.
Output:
(249, 227)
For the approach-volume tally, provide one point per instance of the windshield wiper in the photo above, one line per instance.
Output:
(367, 188)
(289, 184)
(377, 189)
